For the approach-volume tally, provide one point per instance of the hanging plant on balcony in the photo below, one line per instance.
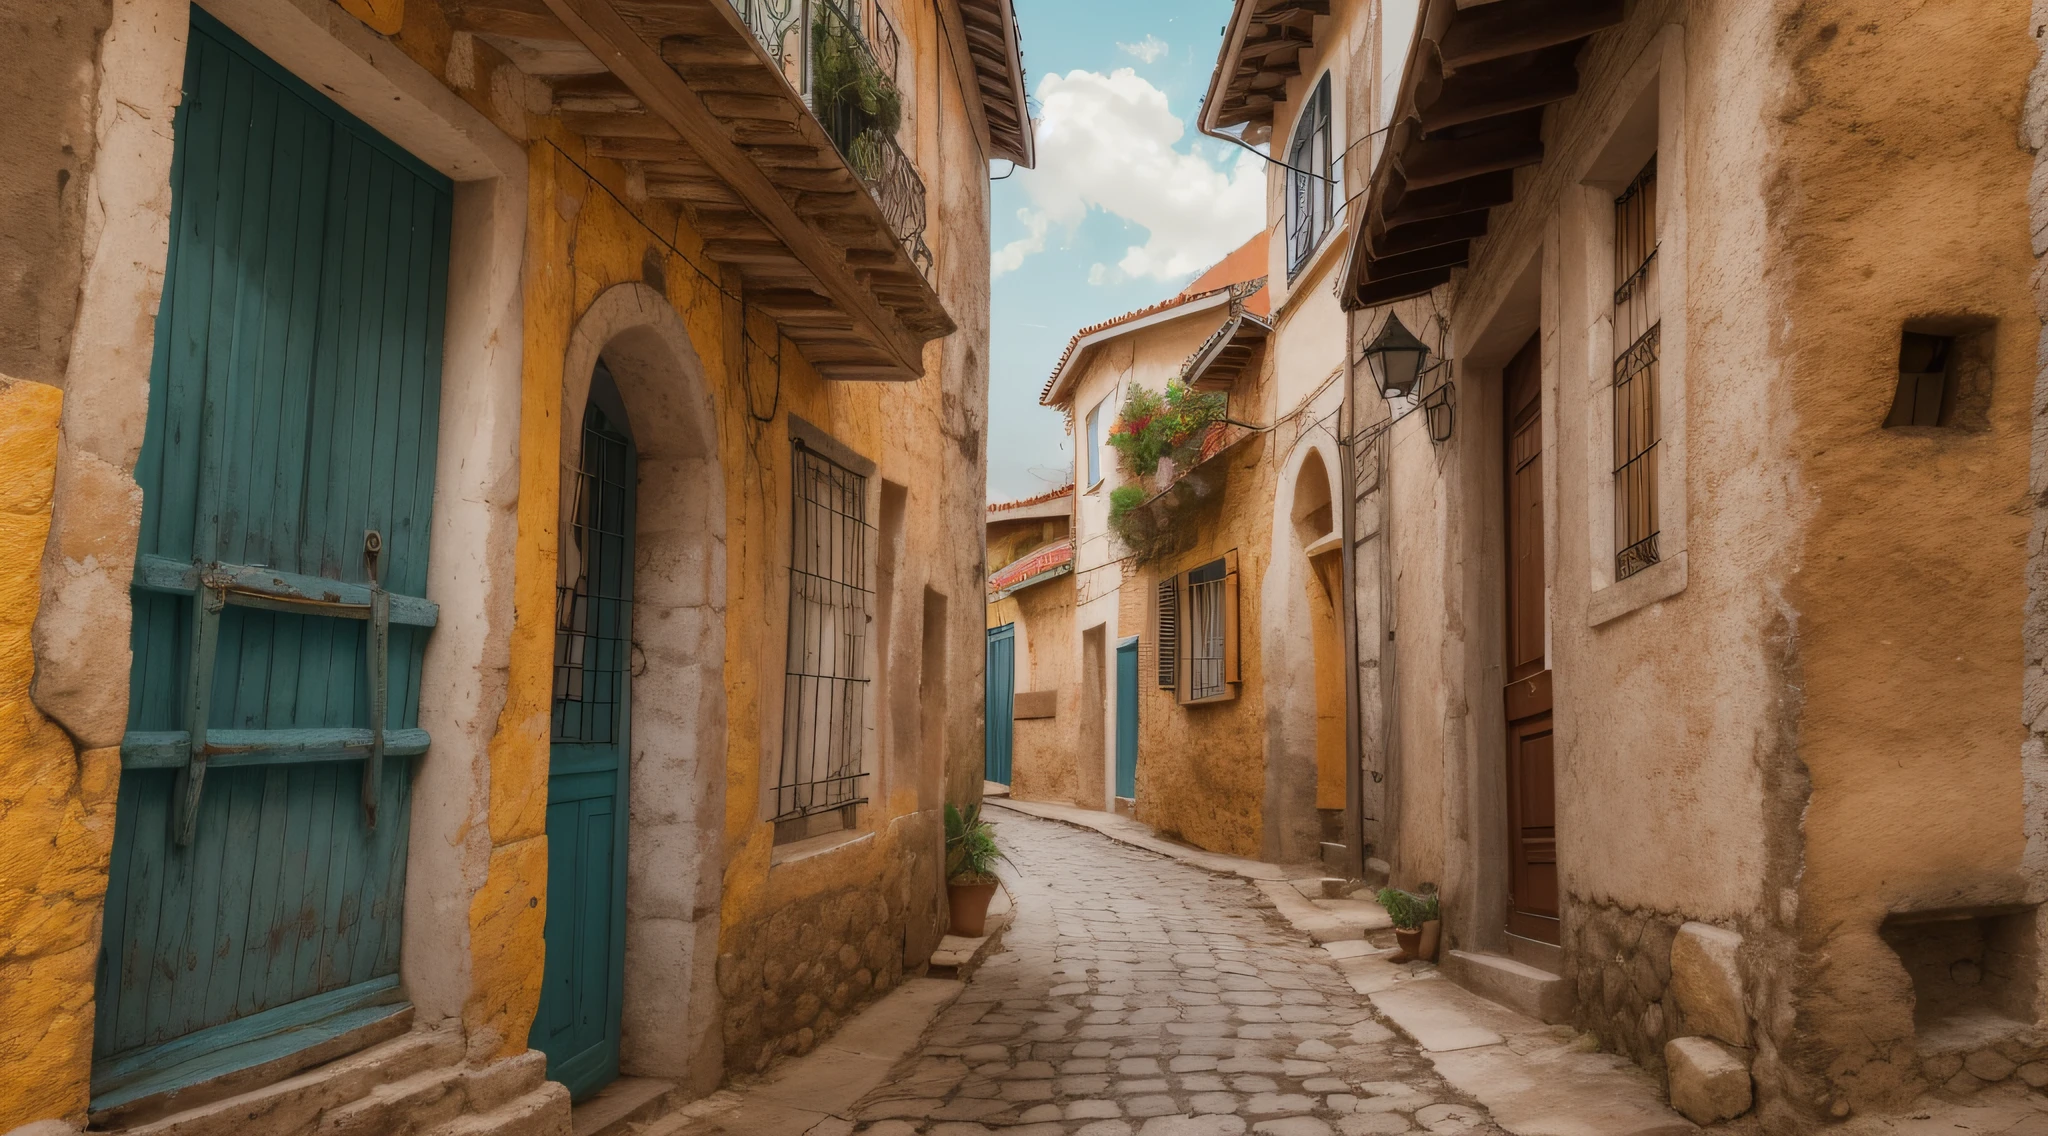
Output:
(851, 95)
(1151, 427)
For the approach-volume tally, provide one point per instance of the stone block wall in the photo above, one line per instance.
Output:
(789, 980)
(1618, 961)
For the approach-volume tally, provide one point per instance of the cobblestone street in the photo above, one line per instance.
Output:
(1137, 996)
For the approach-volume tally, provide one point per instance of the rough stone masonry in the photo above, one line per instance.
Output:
(1137, 996)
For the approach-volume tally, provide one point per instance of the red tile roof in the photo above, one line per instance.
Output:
(1044, 560)
(1245, 263)
(1027, 502)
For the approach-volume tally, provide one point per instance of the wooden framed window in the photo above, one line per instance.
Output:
(1198, 632)
(1637, 425)
(1311, 182)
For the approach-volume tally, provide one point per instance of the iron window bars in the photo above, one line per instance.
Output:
(1310, 198)
(825, 682)
(1206, 678)
(1637, 322)
(794, 32)
(594, 600)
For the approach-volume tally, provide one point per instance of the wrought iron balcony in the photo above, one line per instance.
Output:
(841, 57)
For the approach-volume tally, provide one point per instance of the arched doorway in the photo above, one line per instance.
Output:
(632, 360)
(1314, 521)
(583, 992)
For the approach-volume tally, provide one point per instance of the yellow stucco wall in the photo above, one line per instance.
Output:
(56, 806)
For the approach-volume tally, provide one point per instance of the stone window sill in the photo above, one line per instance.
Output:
(1658, 582)
(798, 851)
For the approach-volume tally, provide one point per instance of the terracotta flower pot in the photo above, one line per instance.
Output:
(968, 906)
(1431, 934)
(1410, 941)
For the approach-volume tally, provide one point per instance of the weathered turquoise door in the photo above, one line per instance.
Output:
(287, 472)
(1001, 698)
(1127, 718)
(584, 991)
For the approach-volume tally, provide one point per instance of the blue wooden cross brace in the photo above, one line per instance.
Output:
(215, 586)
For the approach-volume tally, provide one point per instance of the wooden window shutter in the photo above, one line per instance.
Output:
(1169, 633)
(1230, 652)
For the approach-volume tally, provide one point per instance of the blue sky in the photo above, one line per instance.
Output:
(1126, 205)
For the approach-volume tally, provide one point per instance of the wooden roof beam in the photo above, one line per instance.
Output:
(1510, 27)
(1440, 162)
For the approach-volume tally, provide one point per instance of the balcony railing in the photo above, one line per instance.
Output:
(841, 57)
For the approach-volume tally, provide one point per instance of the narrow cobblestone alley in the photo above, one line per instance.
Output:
(1137, 996)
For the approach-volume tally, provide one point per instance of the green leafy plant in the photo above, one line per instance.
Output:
(1410, 910)
(971, 851)
(852, 94)
(1151, 426)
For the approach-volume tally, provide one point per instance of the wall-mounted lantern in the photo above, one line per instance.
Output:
(1399, 361)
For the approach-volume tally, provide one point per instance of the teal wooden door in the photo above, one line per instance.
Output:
(1001, 699)
(287, 472)
(1127, 719)
(584, 985)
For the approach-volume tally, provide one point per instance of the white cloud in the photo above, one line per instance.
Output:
(1147, 50)
(1109, 142)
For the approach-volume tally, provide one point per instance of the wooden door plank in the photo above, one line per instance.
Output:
(260, 944)
(243, 792)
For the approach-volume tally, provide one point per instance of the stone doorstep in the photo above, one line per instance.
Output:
(1326, 920)
(364, 1039)
(1518, 986)
(620, 1105)
(415, 1083)
(957, 955)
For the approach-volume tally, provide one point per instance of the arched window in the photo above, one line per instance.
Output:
(1311, 183)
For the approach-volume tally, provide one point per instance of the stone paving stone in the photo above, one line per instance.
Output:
(1137, 996)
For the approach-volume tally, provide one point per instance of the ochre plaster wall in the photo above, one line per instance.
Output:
(56, 806)
(1202, 769)
(1889, 202)
(1044, 752)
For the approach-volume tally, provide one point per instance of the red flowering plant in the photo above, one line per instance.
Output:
(1151, 426)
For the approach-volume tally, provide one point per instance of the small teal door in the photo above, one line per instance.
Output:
(257, 883)
(1001, 701)
(583, 991)
(1127, 719)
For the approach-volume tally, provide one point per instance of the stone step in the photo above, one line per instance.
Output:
(620, 1105)
(1516, 985)
(296, 1103)
(542, 1112)
(399, 1108)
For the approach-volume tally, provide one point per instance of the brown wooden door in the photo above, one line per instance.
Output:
(1531, 770)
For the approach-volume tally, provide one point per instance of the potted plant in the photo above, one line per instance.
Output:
(1417, 921)
(971, 856)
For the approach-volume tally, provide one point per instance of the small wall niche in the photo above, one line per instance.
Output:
(1944, 376)
(1972, 973)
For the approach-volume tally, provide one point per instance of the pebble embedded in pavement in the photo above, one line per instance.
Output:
(1138, 996)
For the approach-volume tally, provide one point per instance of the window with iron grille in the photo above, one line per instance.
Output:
(1206, 633)
(831, 601)
(594, 598)
(1311, 183)
(1637, 425)
(1168, 639)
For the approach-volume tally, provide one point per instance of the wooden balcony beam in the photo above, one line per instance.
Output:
(601, 29)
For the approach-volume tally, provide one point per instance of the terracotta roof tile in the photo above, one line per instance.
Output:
(1027, 502)
(1044, 560)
